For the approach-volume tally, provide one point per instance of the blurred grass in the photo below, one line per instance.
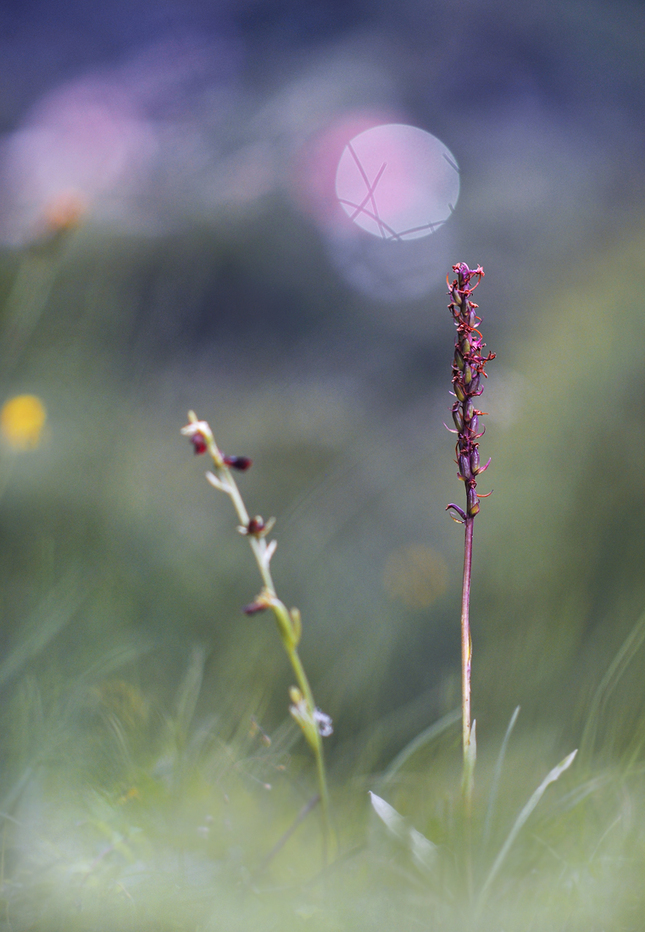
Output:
(562, 546)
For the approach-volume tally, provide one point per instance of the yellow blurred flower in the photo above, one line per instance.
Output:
(22, 420)
(415, 575)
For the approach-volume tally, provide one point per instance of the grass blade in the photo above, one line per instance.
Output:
(423, 850)
(609, 682)
(492, 799)
(54, 612)
(425, 737)
(551, 777)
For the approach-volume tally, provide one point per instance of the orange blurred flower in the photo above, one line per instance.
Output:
(64, 211)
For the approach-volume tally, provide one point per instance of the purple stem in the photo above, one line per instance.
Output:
(466, 643)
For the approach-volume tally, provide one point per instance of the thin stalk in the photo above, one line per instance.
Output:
(466, 727)
(259, 549)
(286, 623)
(466, 659)
(281, 842)
(24, 307)
(317, 749)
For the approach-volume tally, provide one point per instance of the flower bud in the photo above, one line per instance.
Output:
(254, 607)
(459, 392)
(295, 695)
(257, 527)
(296, 625)
(473, 502)
(468, 374)
(304, 717)
(458, 418)
(469, 410)
(459, 359)
(464, 467)
(474, 461)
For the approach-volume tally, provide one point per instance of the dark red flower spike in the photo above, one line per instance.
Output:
(468, 367)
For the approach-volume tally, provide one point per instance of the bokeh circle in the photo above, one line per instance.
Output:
(397, 182)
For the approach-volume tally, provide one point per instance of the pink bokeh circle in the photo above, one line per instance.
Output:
(397, 182)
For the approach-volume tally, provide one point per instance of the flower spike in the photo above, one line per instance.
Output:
(468, 373)
(469, 364)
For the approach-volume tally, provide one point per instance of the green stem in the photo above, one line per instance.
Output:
(303, 683)
(24, 306)
(259, 548)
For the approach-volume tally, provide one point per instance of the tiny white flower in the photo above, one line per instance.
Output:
(323, 722)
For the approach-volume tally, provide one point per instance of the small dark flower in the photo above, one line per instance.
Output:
(199, 434)
(266, 599)
(241, 463)
(254, 607)
(257, 527)
(199, 444)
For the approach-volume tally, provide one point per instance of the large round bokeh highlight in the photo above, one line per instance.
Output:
(397, 182)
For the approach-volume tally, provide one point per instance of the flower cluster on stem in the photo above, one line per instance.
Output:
(467, 381)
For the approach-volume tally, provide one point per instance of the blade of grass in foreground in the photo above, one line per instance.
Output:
(551, 777)
(425, 737)
(497, 776)
(423, 851)
(608, 684)
(54, 612)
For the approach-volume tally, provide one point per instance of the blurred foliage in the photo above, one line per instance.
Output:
(559, 571)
